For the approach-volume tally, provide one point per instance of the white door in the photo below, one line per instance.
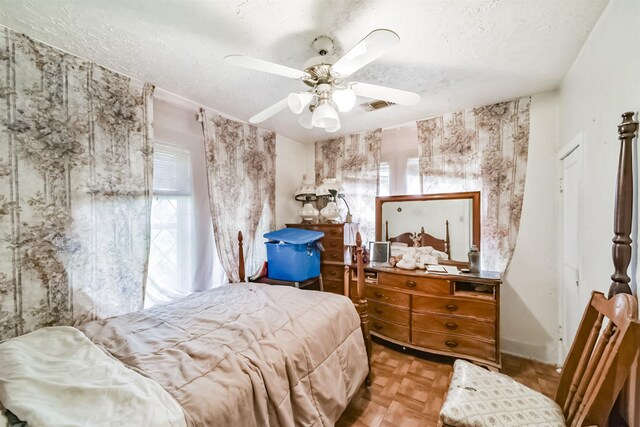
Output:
(572, 306)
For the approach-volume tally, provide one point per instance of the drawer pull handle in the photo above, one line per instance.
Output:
(332, 286)
(452, 307)
(333, 273)
(377, 310)
(411, 284)
(451, 344)
(378, 294)
(378, 326)
(450, 325)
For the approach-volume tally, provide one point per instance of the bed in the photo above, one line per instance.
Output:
(422, 239)
(246, 354)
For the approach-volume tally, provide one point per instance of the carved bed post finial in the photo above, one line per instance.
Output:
(361, 304)
(623, 207)
(240, 257)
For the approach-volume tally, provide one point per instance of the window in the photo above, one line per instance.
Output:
(172, 226)
(385, 183)
(412, 176)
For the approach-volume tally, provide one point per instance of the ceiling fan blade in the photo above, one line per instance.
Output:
(270, 111)
(370, 48)
(265, 66)
(396, 96)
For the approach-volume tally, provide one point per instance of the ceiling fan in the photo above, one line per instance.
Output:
(325, 75)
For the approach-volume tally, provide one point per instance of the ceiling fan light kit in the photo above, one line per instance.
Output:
(305, 119)
(325, 116)
(345, 99)
(298, 101)
(328, 93)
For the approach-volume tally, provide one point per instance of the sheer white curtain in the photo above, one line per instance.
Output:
(355, 161)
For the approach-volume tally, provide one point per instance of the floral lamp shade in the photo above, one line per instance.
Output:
(328, 186)
(306, 193)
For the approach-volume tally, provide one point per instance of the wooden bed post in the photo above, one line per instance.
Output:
(361, 304)
(623, 208)
(623, 215)
(240, 257)
(447, 240)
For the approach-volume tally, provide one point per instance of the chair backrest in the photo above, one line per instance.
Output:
(603, 350)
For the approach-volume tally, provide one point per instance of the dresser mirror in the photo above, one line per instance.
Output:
(450, 223)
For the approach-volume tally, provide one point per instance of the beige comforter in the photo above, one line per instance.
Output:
(246, 354)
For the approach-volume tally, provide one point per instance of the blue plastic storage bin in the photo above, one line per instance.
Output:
(293, 254)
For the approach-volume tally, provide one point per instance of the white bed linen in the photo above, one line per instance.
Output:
(76, 384)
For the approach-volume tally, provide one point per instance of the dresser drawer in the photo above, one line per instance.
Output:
(387, 296)
(333, 286)
(388, 329)
(388, 313)
(332, 244)
(332, 272)
(454, 325)
(416, 283)
(334, 255)
(330, 232)
(456, 306)
(455, 344)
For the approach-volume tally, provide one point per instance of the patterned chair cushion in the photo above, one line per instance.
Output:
(479, 398)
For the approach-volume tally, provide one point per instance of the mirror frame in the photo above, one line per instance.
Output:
(473, 195)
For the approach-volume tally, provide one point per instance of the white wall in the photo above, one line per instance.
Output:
(293, 159)
(529, 294)
(603, 82)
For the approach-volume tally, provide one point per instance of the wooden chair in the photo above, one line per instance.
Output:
(598, 364)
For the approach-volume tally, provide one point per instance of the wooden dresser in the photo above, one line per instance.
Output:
(454, 315)
(336, 252)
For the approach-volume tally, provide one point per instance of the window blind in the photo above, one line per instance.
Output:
(171, 171)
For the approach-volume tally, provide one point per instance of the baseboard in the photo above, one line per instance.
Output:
(539, 353)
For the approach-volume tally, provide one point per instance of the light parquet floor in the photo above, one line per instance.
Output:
(409, 387)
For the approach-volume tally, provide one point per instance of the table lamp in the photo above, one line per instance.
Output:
(306, 193)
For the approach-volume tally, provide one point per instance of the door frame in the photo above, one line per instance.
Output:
(577, 142)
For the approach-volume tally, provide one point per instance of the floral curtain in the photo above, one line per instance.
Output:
(241, 170)
(354, 161)
(482, 149)
(75, 182)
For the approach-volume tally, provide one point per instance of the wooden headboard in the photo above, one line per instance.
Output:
(422, 238)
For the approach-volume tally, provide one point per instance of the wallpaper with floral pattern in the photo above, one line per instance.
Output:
(354, 160)
(481, 149)
(75, 185)
(241, 170)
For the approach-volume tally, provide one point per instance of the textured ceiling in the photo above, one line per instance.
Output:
(454, 53)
